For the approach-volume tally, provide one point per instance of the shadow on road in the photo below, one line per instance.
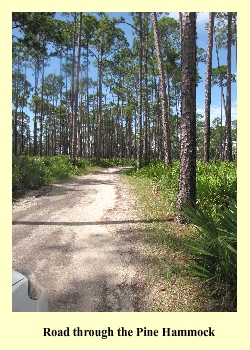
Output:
(80, 223)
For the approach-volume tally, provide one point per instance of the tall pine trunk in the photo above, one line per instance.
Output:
(74, 124)
(187, 177)
(223, 104)
(139, 127)
(99, 125)
(228, 141)
(208, 88)
(16, 108)
(37, 68)
(41, 115)
(87, 97)
(73, 97)
(165, 115)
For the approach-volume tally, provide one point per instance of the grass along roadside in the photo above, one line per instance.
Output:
(170, 287)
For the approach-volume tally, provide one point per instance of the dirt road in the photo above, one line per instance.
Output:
(81, 239)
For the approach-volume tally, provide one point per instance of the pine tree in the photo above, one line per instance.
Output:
(165, 110)
(187, 178)
(208, 88)
(228, 141)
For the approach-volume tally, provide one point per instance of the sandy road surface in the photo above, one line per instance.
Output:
(81, 240)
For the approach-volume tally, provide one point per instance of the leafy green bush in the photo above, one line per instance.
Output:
(106, 163)
(216, 184)
(125, 162)
(59, 168)
(32, 172)
(82, 163)
(215, 248)
(111, 162)
(27, 173)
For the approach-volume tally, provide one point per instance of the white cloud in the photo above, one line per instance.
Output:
(202, 17)
(215, 111)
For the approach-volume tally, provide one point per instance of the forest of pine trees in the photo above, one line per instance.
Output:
(111, 96)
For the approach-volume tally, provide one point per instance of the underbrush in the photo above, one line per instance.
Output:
(214, 250)
(30, 173)
(216, 183)
(109, 163)
(209, 243)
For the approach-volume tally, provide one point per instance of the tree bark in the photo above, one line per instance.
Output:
(100, 77)
(139, 127)
(74, 135)
(187, 178)
(223, 104)
(37, 68)
(208, 88)
(41, 115)
(228, 141)
(165, 115)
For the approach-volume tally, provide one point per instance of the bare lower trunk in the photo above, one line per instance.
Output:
(187, 179)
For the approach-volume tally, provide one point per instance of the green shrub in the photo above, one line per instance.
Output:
(106, 163)
(59, 168)
(27, 173)
(81, 162)
(215, 248)
(32, 172)
(216, 184)
(111, 162)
